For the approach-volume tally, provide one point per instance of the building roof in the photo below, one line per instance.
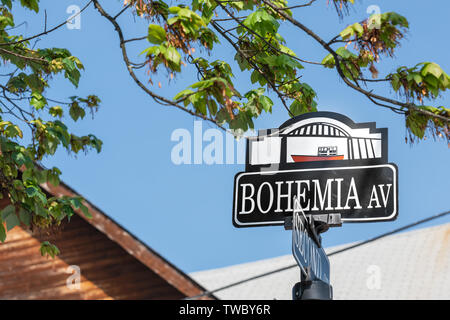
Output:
(132, 245)
(136, 248)
(409, 265)
(108, 255)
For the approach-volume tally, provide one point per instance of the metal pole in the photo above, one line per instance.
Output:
(310, 288)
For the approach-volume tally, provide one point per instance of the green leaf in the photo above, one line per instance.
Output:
(2, 232)
(53, 176)
(173, 55)
(254, 77)
(49, 249)
(432, 81)
(12, 221)
(266, 103)
(7, 3)
(212, 107)
(417, 124)
(38, 101)
(329, 61)
(85, 211)
(395, 82)
(156, 34)
(344, 53)
(6, 21)
(432, 68)
(174, 10)
(40, 210)
(56, 111)
(95, 143)
(261, 22)
(76, 111)
(27, 174)
(417, 78)
(183, 93)
(347, 33)
(30, 4)
(25, 216)
(72, 72)
(358, 29)
(19, 158)
(13, 131)
(7, 211)
(31, 191)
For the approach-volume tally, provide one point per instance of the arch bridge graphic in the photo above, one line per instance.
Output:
(316, 140)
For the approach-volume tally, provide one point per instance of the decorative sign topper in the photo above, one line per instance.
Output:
(330, 163)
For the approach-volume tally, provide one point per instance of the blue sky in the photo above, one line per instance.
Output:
(184, 212)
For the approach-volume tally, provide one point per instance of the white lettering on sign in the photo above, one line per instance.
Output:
(338, 193)
(384, 196)
(318, 195)
(246, 197)
(327, 197)
(352, 195)
(269, 187)
(287, 195)
(366, 193)
(301, 196)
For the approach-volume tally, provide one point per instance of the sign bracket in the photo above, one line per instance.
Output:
(321, 222)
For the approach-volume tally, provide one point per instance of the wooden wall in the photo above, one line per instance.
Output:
(107, 271)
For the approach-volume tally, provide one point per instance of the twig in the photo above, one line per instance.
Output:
(45, 32)
(159, 99)
(338, 59)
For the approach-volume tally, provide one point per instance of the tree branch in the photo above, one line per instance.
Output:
(24, 57)
(272, 85)
(45, 31)
(338, 59)
(159, 99)
(300, 5)
(220, 3)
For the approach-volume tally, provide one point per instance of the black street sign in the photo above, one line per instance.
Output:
(331, 164)
(359, 194)
(311, 258)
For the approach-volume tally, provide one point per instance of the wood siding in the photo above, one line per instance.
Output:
(132, 245)
(107, 270)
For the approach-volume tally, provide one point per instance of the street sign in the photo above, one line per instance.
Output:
(359, 194)
(311, 258)
(332, 165)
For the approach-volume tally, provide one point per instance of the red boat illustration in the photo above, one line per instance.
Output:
(323, 154)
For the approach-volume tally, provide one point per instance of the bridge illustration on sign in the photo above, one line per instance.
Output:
(317, 139)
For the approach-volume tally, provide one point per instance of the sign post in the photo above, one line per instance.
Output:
(316, 171)
(311, 258)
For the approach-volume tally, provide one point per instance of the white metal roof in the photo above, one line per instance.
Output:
(410, 265)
